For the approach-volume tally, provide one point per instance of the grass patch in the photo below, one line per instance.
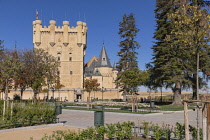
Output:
(126, 109)
(173, 107)
(107, 110)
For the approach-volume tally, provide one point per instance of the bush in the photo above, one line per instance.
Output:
(21, 114)
(122, 131)
(16, 97)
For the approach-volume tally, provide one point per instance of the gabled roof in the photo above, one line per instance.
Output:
(91, 60)
(103, 60)
(89, 70)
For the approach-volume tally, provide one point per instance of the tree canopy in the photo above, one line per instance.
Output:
(180, 32)
(28, 69)
(129, 76)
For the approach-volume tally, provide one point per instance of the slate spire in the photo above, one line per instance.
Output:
(103, 60)
(115, 66)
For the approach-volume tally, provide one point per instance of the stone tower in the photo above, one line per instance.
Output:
(66, 43)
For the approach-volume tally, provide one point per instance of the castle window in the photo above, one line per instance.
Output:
(70, 58)
(103, 59)
(59, 58)
(71, 72)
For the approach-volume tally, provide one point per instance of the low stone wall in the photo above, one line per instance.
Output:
(70, 95)
(65, 95)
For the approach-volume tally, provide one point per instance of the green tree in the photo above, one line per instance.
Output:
(128, 64)
(38, 67)
(191, 32)
(1, 60)
(89, 86)
(58, 85)
(8, 69)
(128, 32)
(1, 47)
(167, 67)
(173, 61)
(131, 79)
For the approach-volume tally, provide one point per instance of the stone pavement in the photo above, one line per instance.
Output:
(85, 119)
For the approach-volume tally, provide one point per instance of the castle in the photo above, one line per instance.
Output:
(68, 44)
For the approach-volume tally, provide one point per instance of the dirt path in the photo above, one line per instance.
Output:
(35, 133)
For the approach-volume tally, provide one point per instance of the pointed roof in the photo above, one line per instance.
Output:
(103, 60)
(91, 61)
(115, 66)
(96, 73)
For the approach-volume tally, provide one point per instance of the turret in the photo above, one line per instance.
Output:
(65, 33)
(84, 41)
(37, 27)
(52, 32)
(115, 67)
(79, 33)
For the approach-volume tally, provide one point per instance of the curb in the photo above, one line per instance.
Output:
(31, 127)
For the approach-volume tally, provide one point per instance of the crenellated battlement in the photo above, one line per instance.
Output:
(65, 30)
(81, 24)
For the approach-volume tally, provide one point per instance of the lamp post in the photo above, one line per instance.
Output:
(102, 90)
(48, 87)
(1, 91)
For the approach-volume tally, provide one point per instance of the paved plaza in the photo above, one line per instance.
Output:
(75, 119)
(84, 119)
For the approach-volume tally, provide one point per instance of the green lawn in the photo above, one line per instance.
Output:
(174, 107)
(106, 110)
(126, 109)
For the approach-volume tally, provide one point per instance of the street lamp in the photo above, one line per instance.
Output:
(1, 91)
(52, 88)
(102, 90)
(48, 86)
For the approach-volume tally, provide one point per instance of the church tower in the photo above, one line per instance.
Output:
(66, 43)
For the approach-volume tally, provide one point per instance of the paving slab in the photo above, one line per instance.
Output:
(85, 119)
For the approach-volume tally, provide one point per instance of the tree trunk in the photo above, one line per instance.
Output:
(177, 94)
(35, 94)
(194, 94)
(88, 101)
(194, 87)
(21, 94)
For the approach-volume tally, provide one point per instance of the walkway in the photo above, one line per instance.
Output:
(84, 119)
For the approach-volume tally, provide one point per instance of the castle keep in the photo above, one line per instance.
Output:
(66, 43)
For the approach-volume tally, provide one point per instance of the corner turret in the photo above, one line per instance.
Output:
(37, 24)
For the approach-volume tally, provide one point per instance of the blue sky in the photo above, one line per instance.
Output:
(102, 18)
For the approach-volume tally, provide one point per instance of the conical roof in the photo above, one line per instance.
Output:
(115, 66)
(103, 60)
